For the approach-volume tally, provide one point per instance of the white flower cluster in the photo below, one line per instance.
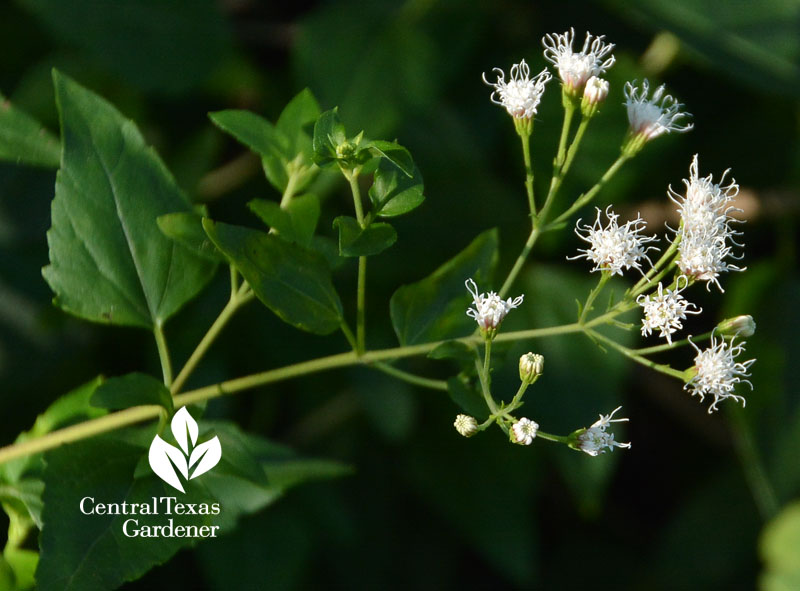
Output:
(718, 372)
(614, 247)
(575, 69)
(524, 431)
(665, 311)
(705, 235)
(490, 309)
(596, 440)
(521, 94)
(651, 117)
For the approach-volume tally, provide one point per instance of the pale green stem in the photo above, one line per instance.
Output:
(515, 402)
(604, 276)
(352, 178)
(590, 194)
(760, 487)
(291, 185)
(238, 299)
(487, 395)
(526, 155)
(410, 377)
(645, 282)
(163, 354)
(520, 262)
(551, 437)
(674, 345)
(138, 414)
(569, 111)
(573, 149)
(348, 334)
(665, 369)
(361, 331)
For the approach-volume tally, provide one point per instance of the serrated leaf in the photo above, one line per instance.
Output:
(24, 141)
(109, 262)
(435, 308)
(394, 153)
(187, 229)
(291, 281)
(394, 193)
(295, 223)
(262, 137)
(356, 241)
(133, 389)
(328, 134)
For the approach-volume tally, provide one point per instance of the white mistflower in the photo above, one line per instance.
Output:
(665, 310)
(524, 431)
(490, 309)
(651, 117)
(718, 372)
(614, 247)
(596, 440)
(521, 94)
(705, 236)
(575, 69)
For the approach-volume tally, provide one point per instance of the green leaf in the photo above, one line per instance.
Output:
(356, 241)
(780, 550)
(457, 350)
(133, 389)
(328, 134)
(109, 262)
(295, 223)
(435, 308)
(467, 397)
(23, 140)
(70, 408)
(393, 193)
(394, 153)
(187, 229)
(291, 281)
(251, 474)
(300, 113)
(23, 563)
(262, 137)
(166, 47)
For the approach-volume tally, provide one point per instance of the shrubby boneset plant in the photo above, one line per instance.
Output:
(127, 248)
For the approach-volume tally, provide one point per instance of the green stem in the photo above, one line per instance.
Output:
(483, 377)
(760, 487)
(163, 354)
(289, 191)
(590, 194)
(348, 334)
(551, 437)
(604, 276)
(674, 345)
(665, 369)
(526, 156)
(138, 414)
(361, 333)
(515, 402)
(410, 377)
(569, 111)
(520, 262)
(352, 178)
(645, 282)
(242, 295)
(573, 149)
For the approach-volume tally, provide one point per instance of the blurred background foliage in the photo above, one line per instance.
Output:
(425, 508)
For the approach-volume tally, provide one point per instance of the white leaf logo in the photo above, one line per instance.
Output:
(165, 458)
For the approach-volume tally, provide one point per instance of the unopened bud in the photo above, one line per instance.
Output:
(594, 93)
(531, 366)
(739, 326)
(466, 425)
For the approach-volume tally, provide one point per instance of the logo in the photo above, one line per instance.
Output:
(191, 460)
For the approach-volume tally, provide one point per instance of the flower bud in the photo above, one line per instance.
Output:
(523, 431)
(739, 326)
(531, 366)
(594, 93)
(466, 425)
